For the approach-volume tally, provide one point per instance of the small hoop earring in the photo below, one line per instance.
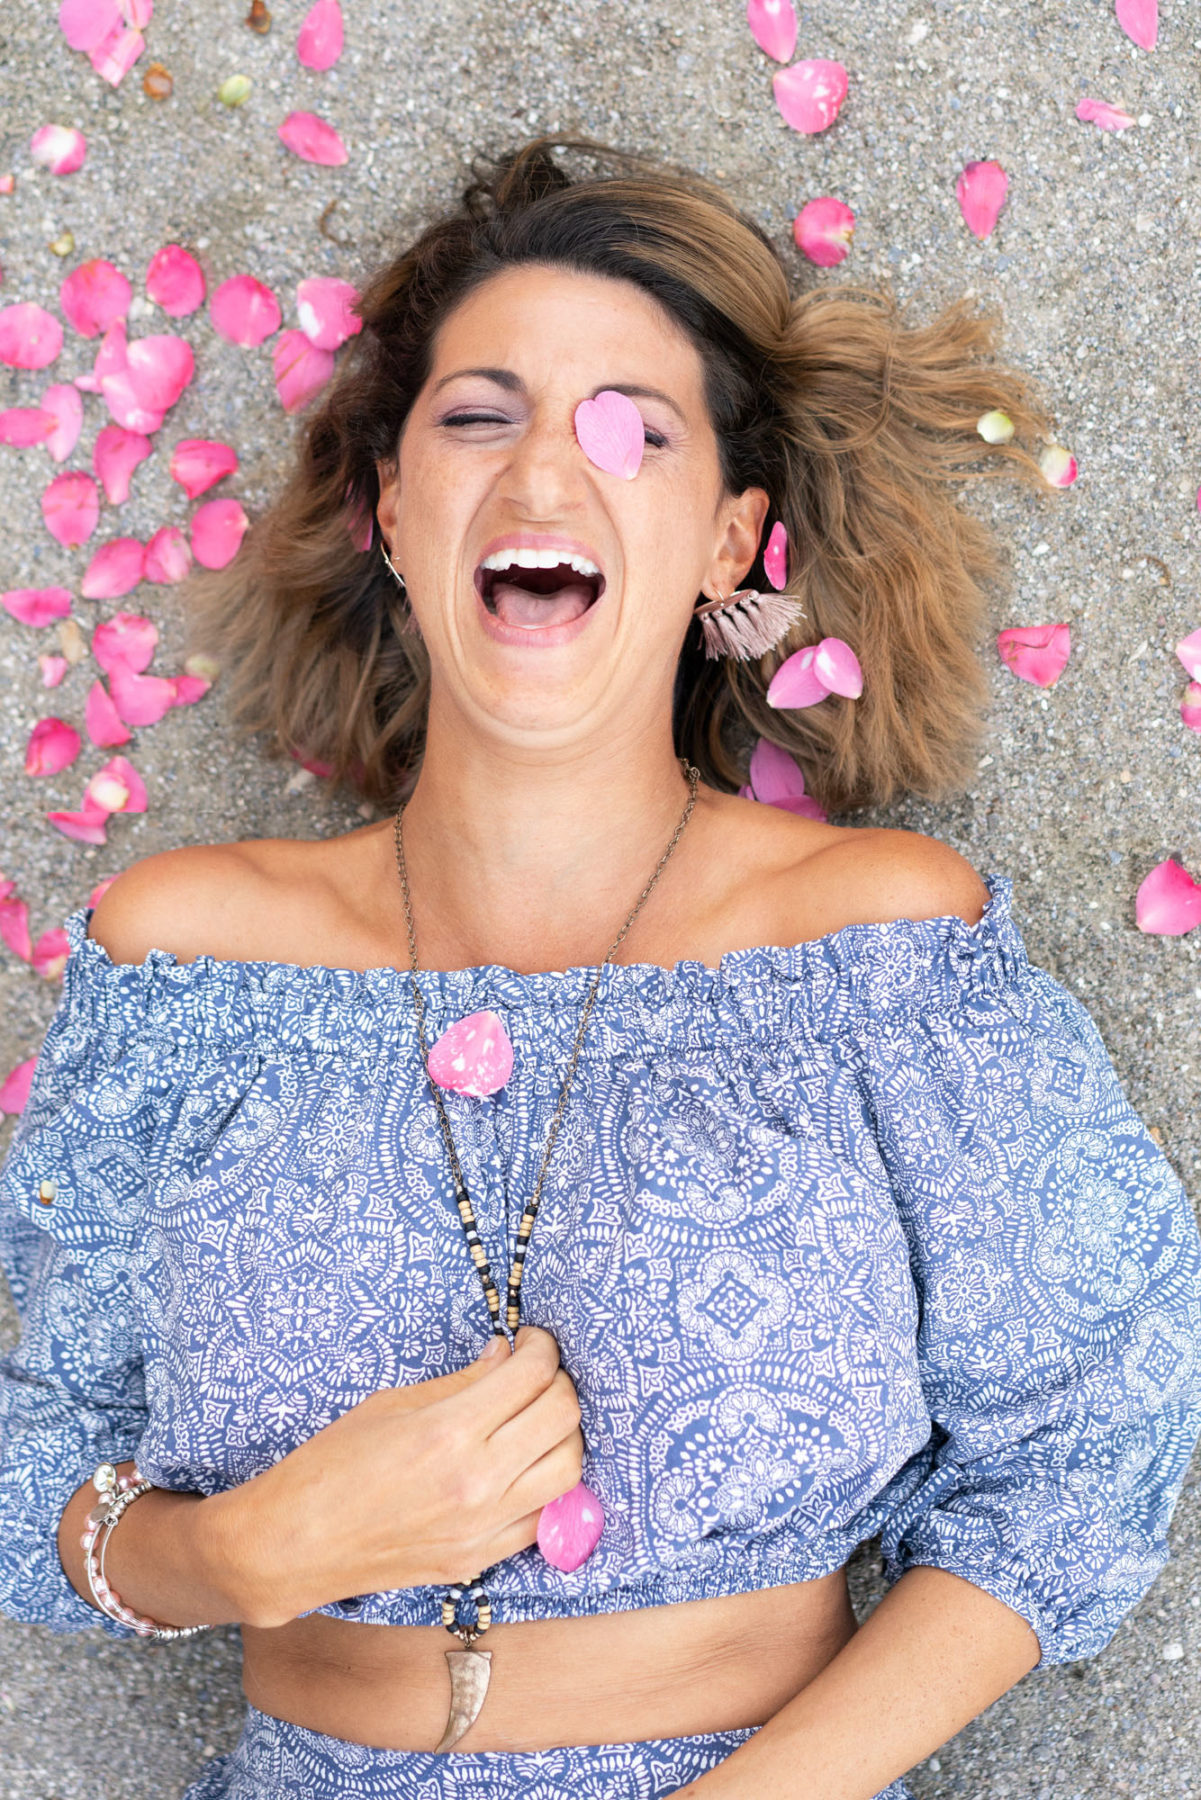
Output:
(397, 577)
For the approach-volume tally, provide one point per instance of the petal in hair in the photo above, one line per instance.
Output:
(115, 456)
(981, 191)
(611, 433)
(62, 402)
(52, 745)
(115, 569)
(837, 668)
(311, 138)
(324, 307)
(168, 557)
(822, 230)
(94, 296)
(199, 463)
(59, 148)
(796, 682)
(320, 42)
(1168, 902)
(1058, 466)
(30, 337)
(995, 427)
(774, 774)
(1100, 112)
(244, 310)
(1139, 19)
(101, 720)
(1037, 653)
(1189, 652)
(175, 281)
(810, 94)
(127, 638)
(773, 27)
(217, 529)
(71, 507)
(472, 1056)
(775, 557)
(569, 1528)
(24, 426)
(300, 369)
(37, 606)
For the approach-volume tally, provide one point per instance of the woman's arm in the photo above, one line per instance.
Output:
(935, 1652)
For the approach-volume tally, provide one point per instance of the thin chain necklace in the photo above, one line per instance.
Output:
(470, 1669)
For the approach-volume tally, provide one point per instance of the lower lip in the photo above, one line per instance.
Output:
(532, 637)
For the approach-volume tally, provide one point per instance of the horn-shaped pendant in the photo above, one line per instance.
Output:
(470, 1672)
(747, 623)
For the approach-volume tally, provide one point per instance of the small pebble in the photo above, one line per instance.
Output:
(1172, 1652)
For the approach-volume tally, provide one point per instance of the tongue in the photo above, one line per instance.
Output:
(517, 606)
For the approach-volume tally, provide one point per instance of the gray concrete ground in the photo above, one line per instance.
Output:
(1080, 791)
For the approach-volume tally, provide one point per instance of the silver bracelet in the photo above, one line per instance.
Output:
(116, 1493)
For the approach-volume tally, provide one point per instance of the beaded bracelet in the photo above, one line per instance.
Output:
(116, 1493)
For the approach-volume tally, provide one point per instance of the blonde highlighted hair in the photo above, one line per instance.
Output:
(858, 425)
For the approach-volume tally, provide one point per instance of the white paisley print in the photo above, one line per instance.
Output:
(854, 1237)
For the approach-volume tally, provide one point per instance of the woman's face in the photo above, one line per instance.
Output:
(489, 470)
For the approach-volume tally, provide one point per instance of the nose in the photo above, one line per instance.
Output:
(545, 476)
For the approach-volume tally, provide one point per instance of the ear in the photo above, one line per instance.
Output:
(741, 523)
(389, 496)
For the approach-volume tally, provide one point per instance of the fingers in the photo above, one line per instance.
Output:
(554, 1474)
(417, 1394)
(547, 1421)
(509, 1385)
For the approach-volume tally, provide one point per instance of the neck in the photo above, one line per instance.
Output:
(534, 860)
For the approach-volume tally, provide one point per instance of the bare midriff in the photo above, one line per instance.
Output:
(663, 1671)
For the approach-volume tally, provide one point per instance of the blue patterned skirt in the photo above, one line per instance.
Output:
(273, 1760)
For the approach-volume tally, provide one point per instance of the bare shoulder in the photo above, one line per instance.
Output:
(872, 877)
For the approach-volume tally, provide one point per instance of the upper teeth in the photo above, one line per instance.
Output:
(539, 559)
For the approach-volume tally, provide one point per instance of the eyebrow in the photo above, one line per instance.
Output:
(513, 384)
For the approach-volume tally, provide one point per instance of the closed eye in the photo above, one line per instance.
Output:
(474, 419)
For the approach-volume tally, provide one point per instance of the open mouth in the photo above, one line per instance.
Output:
(535, 589)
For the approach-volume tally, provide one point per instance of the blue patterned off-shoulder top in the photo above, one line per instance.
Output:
(852, 1238)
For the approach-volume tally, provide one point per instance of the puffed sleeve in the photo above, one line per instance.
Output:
(1058, 1272)
(71, 1186)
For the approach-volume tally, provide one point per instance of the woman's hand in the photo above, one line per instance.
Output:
(416, 1485)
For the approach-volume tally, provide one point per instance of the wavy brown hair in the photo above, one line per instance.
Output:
(858, 425)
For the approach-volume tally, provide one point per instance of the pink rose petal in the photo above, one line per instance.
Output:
(611, 433)
(62, 402)
(1189, 652)
(111, 359)
(1037, 653)
(775, 557)
(86, 23)
(139, 699)
(822, 230)
(162, 367)
(773, 27)
(14, 1089)
(1139, 19)
(37, 606)
(71, 507)
(981, 191)
(244, 310)
(53, 745)
(128, 639)
(1058, 466)
(117, 787)
(101, 720)
(473, 1056)
(1190, 706)
(137, 12)
(30, 337)
(199, 463)
(309, 137)
(217, 529)
(94, 296)
(301, 370)
(320, 42)
(115, 569)
(168, 557)
(569, 1528)
(1100, 112)
(774, 774)
(324, 307)
(23, 426)
(1168, 902)
(52, 668)
(14, 928)
(175, 281)
(837, 668)
(810, 94)
(50, 954)
(86, 826)
(59, 148)
(187, 689)
(115, 455)
(796, 682)
(116, 54)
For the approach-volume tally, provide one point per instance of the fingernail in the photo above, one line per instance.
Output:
(497, 1346)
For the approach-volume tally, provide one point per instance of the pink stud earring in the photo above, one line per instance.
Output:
(746, 624)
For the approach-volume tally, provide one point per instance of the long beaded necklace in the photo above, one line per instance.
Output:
(470, 1669)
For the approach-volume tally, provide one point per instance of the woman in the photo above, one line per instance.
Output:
(837, 1220)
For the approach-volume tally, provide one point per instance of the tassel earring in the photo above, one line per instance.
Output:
(747, 623)
(410, 625)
